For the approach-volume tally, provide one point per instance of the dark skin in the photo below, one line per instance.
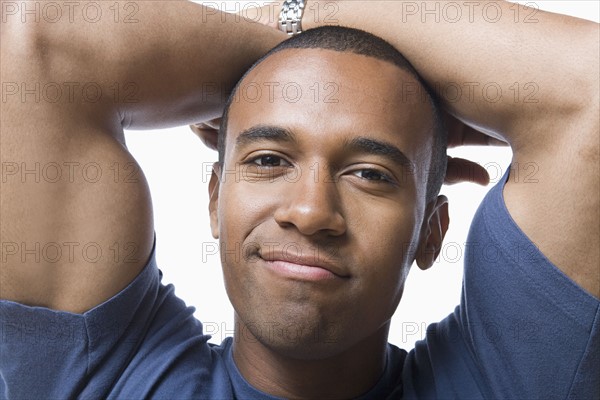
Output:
(558, 128)
(459, 170)
(162, 83)
(459, 134)
(558, 132)
(363, 215)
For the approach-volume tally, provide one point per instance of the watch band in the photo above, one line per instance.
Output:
(290, 18)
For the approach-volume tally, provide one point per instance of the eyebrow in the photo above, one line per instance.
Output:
(263, 132)
(359, 144)
(379, 148)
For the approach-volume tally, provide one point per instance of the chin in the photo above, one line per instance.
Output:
(295, 332)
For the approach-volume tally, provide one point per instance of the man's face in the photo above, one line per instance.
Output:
(320, 205)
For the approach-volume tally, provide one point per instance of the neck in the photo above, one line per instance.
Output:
(347, 374)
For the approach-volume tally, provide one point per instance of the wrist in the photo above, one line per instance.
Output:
(321, 13)
(290, 16)
(294, 16)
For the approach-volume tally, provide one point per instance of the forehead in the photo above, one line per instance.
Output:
(334, 95)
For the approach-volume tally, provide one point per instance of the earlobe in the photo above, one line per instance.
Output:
(213, 204)
(434, 230)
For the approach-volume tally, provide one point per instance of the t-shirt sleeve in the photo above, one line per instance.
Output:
(523, 328)
(126, 347)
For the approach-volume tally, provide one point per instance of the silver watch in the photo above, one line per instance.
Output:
(290, 18)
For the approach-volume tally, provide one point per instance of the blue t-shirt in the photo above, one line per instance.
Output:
(522, 330)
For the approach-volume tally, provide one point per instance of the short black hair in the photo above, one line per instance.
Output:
(343, 39)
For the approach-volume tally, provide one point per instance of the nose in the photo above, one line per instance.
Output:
(312, 206)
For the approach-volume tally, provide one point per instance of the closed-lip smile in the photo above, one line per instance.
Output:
(303, 267)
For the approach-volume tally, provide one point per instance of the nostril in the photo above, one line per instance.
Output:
(311, 219)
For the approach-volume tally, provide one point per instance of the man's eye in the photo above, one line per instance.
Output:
(270, 161)
(372, 175)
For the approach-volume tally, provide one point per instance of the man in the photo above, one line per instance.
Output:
(354, 212)
(369, 192)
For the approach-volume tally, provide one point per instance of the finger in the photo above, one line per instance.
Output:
(209, 136)
(461, 170)
(467, 136)
(212, 124)
(474, 137)
(492, 141)
(268, 15)
(265, 15)
(461, 134)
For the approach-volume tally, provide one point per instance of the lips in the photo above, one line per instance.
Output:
(303, 267)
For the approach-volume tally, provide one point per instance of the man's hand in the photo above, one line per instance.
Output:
(459, 169)
(208, 132)
(459, 134)
(269, 14)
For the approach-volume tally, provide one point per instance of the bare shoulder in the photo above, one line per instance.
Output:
(75, 207)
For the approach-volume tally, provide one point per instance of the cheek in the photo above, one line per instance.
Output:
(386, 230)
(386, 244)
(242, 207)
(387, 256)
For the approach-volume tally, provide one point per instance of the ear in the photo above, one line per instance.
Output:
(213, 204)
(433, 231)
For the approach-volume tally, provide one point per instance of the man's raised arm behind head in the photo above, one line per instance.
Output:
(521, 74)
(76, 212)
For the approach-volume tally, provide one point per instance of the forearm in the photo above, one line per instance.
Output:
(195, 57)
(70, 85)
(159, 63)
(547, 72)
(497, 65)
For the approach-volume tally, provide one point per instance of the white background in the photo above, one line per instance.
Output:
(177, 167)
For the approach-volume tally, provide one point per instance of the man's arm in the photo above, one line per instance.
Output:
(529, 77)
(164, 63)
(75, 208)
